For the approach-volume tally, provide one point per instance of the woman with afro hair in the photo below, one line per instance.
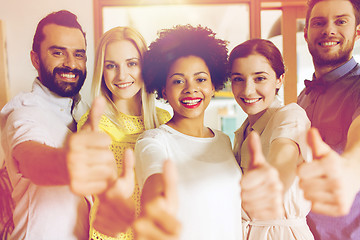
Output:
(185, 66)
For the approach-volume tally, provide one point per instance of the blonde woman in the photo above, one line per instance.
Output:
(130, 110)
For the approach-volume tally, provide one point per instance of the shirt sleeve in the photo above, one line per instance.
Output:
(150, 155)
(27, 124)
(292, 122)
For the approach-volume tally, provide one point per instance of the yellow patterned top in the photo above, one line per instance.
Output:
(123, 136)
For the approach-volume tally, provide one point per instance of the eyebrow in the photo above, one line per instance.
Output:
(336, 17)
(255, 73)
(129, 59)
(64, 49)
(181, 74)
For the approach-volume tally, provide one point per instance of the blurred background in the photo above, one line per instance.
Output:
(280, 21)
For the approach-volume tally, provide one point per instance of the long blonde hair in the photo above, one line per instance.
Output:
(99, 88)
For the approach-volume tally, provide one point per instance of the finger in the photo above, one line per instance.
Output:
(261, 192)
(259, 177)
(96, 111)
(167, 221)
(317, 145)
(320, 197)
(145, 229)
(170, 185)
(333, 210)
(88, 188)
(256, 155)
(307, 171)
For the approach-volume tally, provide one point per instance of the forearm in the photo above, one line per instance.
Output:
(42, 164)
(283, 155)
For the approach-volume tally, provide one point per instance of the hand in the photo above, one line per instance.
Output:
(116, 210)
(327, 181)
(90, 162)
(158, 218)
(261, 188)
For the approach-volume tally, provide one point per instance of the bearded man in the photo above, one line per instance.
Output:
(36, 128)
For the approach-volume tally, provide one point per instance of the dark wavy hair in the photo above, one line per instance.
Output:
(182, 41)
(62, 18)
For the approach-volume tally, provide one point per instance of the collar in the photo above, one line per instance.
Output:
(53, 98)
(260, 124)
(337, 73)
(321, 84)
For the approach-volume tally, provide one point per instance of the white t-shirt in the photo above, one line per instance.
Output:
(41, 212)
(209, 180)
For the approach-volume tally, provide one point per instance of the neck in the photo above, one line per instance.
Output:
(191, 127)
(132, 107)
(253, 118)
(321, 70)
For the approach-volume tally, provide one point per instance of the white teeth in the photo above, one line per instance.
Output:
(250, 100)
(124, 85)
(328, 43)
(68, 75)
(191, 102)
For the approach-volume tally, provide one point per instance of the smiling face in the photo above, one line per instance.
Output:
(254, 84)
(122, 71)
(188, 87)
(61, 62)
(331, 32)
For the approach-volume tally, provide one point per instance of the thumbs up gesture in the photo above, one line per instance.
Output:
(90, 162)
(328, 180)
(116, 210)
(158, 218)
(261, 188)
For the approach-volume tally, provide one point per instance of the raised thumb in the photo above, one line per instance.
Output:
(318, 147)
(96, 111)
(170, 180)
(257, 158)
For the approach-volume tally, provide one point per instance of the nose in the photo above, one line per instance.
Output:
(329, 29)
(190, 87)
(70, 61)
(123, 72)
(249, 87)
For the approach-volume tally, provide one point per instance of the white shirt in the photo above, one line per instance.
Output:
(41, 212)
(209, 180)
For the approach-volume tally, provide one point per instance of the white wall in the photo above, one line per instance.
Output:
(21, 18)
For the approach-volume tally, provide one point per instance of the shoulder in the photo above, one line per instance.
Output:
(291, 112)
(82, 120)
(23, 106)
(222, 137)
(156, 133)
(22, 100)
(163, 115)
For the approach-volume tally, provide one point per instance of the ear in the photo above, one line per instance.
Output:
(357, 32)
(305, 33)
(35, 60)
(213, 90)
(280, 81)
(164, 94)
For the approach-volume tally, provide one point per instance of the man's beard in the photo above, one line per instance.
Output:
(334, 59)
(61, 88)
